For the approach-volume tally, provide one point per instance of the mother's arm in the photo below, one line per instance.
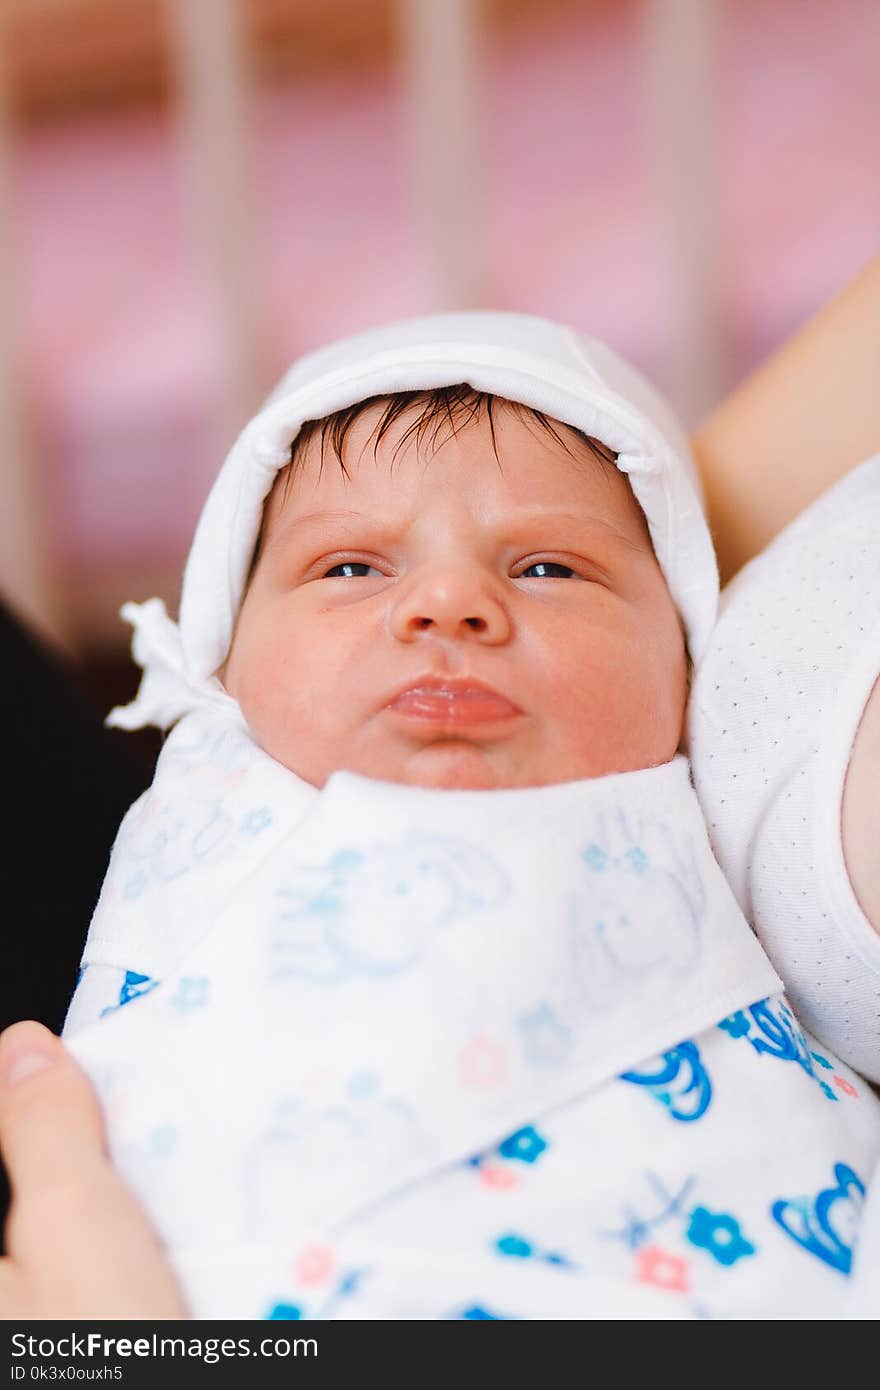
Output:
(798, 424)
(791, 431)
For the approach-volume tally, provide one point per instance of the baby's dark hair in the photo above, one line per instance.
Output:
(454, 407)
(442, 407)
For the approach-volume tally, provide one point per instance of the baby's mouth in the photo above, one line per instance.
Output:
(453, 703)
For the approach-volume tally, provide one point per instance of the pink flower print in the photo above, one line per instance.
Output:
(483, 1063)
(315, 1081)
(314, 1264)
(846, 1086)
(499, 1178)
(658, 1267)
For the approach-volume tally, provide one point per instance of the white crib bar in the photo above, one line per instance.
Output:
(681, 50)
(27, 582)
(440, 50)
(212, 75)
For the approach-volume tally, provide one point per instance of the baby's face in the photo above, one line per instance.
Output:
(453, 622)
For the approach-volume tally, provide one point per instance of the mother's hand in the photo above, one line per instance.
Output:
(79, 1245)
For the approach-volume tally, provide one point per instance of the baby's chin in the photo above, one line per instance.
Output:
(458, 765)
(454, 766)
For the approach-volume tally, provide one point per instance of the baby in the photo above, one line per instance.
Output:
(444, 1007)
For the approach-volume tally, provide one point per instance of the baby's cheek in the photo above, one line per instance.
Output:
(251, 680)
(663, 705)
(624, 708)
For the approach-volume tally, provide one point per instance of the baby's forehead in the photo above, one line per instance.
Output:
(381, 445)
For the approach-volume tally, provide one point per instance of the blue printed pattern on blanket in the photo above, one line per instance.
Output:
(376, 911)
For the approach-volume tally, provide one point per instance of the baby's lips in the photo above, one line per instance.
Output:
(453, 703)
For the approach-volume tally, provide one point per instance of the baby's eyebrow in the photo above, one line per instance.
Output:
(288, 528)
(338, 514)
(533, 515)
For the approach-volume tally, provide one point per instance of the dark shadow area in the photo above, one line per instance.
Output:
(67, 782)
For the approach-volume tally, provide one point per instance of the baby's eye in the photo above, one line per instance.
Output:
(547, 569)
(350, 569)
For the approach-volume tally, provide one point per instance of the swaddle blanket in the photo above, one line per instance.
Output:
(384, 1051)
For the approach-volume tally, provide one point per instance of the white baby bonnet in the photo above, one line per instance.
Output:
(539, 364)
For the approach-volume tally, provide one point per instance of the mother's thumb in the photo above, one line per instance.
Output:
(75, 1232)
(50, 1119)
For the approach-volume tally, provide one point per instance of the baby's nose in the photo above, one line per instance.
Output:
(449, 604)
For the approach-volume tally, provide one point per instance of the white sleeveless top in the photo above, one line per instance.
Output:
(774, 711)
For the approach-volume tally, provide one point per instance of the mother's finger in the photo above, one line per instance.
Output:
(80, 1243)
(50, 1119)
